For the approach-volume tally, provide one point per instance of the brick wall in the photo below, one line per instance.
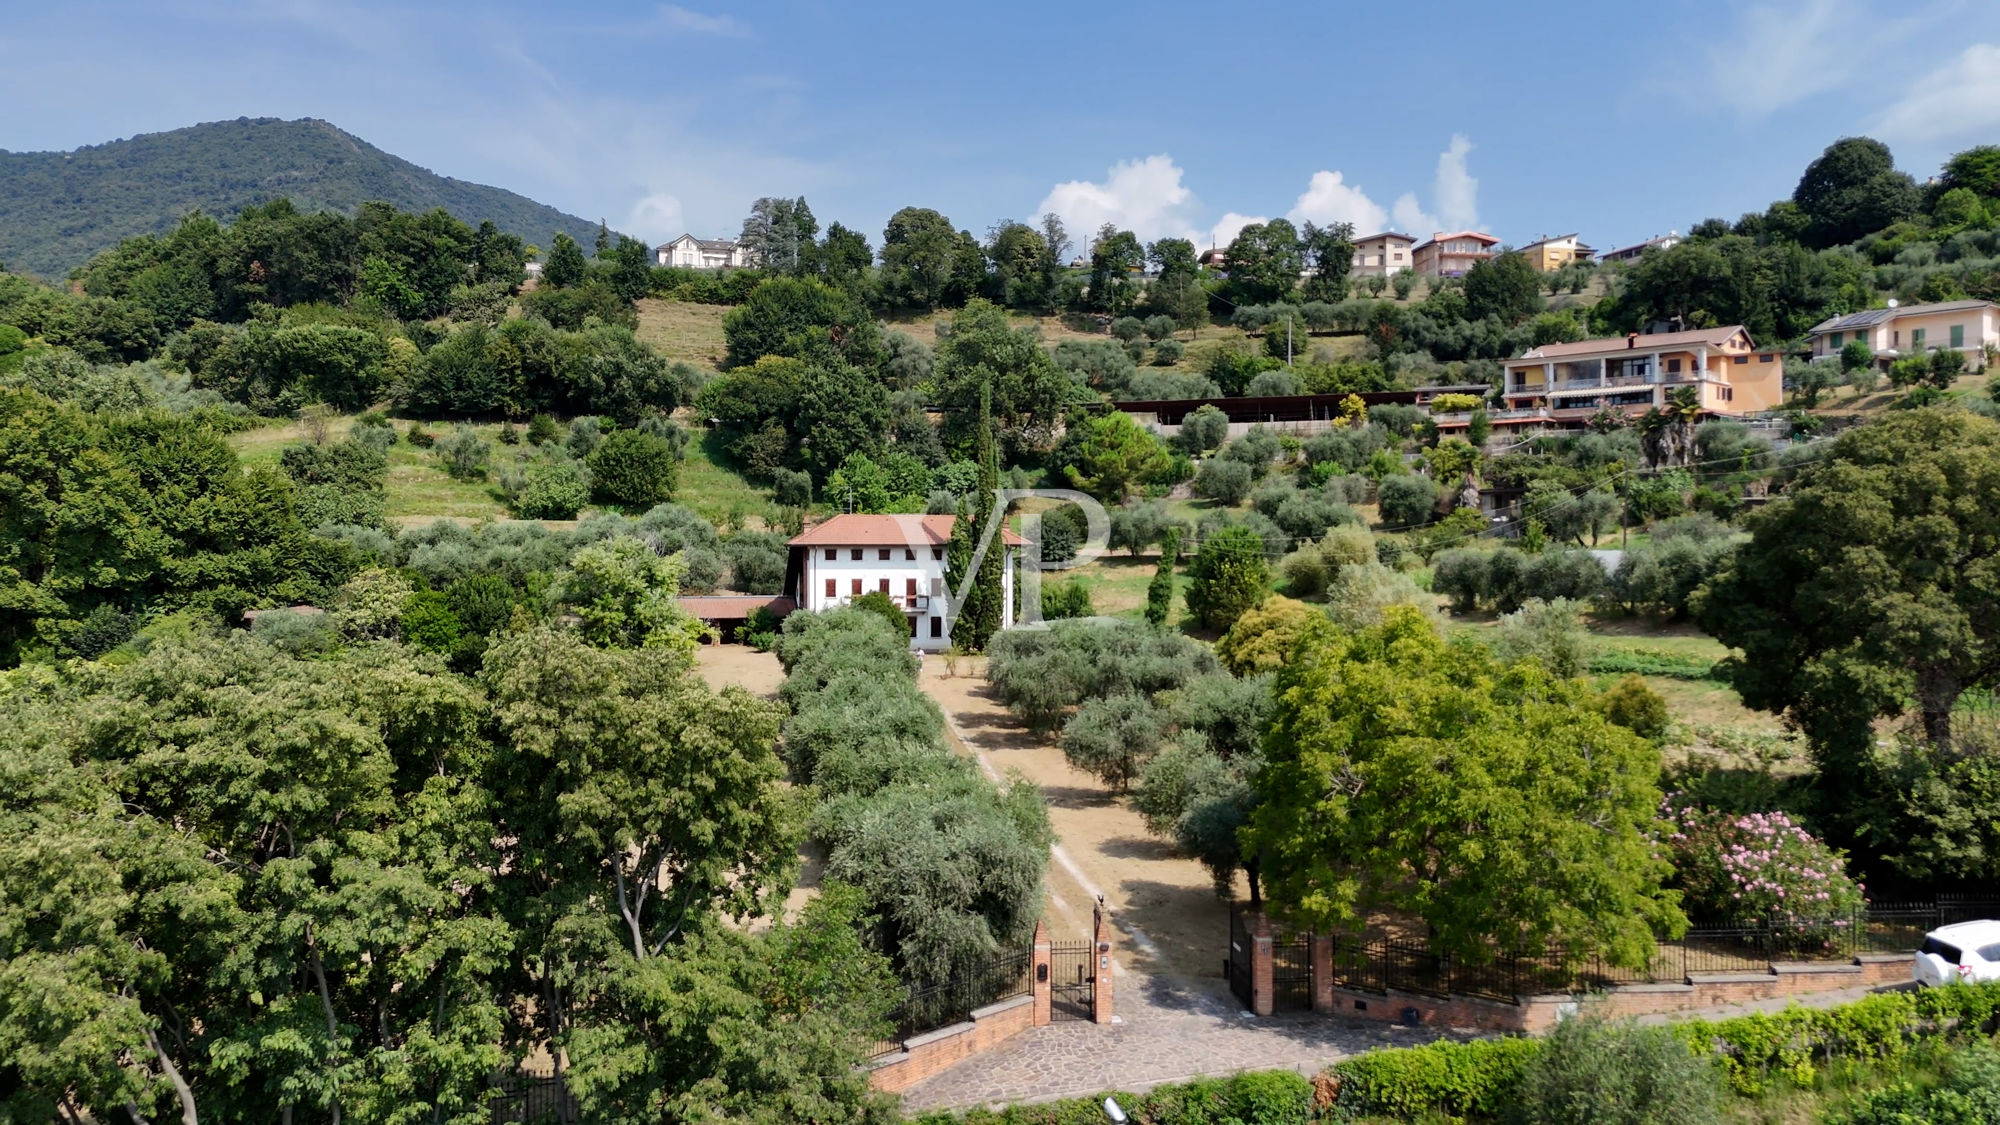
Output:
(1699, 991)
(925, 1055)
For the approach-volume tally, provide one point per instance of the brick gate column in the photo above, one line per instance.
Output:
(1100, 942)
(1260, 964)
(1321, 951)
(1040, 973)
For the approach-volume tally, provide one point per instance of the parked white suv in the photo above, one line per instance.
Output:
(1965, 951)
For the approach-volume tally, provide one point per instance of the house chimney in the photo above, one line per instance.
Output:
(1631, 339)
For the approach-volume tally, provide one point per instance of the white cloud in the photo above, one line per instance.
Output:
(1329, 198)
(1455, 192)
(657, 218)
(673, 17)
(1228, 227)
(1784, 52)
(1145, 197)
(1961, 100)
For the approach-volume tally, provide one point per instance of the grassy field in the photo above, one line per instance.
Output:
(683, 332)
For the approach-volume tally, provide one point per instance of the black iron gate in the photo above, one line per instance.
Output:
(1072, 980)
(1236, 967)
(1291, 974)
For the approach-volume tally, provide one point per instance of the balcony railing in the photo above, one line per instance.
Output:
(920, 603)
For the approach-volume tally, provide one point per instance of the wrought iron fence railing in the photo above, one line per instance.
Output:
(928, 1007)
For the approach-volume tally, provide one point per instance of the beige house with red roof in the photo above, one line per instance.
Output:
(1383, 255)
(1560, 386)
(902, 556)
(1450, 255)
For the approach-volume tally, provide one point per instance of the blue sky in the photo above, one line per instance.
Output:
(1616, 120)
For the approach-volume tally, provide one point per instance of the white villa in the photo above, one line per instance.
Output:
(689, 252)
(902, 556)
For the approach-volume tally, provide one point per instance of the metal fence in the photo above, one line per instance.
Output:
(927, 1007)
(530, 1100)
(1385, 964)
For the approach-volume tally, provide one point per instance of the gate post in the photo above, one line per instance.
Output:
(1260, 964)
(1100, 943)
(1321, 952)
(1040, 982)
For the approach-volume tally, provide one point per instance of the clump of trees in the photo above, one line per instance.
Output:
(898, 810)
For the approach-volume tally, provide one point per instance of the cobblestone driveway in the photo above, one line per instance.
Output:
(1165, 1033)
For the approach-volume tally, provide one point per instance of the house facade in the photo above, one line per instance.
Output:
(689, 252)
(1891, 333)
(902, 556)
(1383, 255)
(1450, 255)
(1561, 386)
(1633, 252)
(1551, 254)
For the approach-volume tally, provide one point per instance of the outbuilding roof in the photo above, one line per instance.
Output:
(1867, 317)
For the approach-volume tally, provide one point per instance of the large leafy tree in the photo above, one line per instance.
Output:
(1116, 257)
(1265, 260)
(779, 234)
(1019, 254)
(1329, 254)
(1115, 456)
(980, 612)
(1853, 189)
(1872, 588)
(980, 354)
(1228, 576)
(801, 319)
(1407, 773)
(1505, 287)
(926, 263)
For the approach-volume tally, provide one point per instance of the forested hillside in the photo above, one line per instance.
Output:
(59, 208)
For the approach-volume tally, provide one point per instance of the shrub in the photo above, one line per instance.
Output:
(1203, 429)
(299, 634)
(756, 561)
(428, 623)
(1128, 328)
(553, 488)
(1257, 448)
(1407, 500)
(792, 488)
(1271, 1097)
(509, 434)
(542, 430)
(1461, 576)
(1228, 576)
(1636, 707)
(1550, 634)
(1225, 482)
(1474, 1079)
(420, 437)
(1111, 738)
(634, 469)
(463, 453)
(1061, 600)
(1304, 573)
(584, 434)
(1358, 594)
(1757, 866)
(1166, 353)
(1594, 1073)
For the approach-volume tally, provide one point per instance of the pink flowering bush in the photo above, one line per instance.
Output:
(1755, 867)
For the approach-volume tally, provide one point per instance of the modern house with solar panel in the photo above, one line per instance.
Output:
(902, 556)
(1972, 327)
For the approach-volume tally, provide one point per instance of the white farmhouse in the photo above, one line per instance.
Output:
(902, 556)
(689, 252)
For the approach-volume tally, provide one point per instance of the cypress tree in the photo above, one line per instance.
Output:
(979, 618)
(1160, 591)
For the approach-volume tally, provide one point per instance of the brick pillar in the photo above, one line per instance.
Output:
(1260, 964)
(1041, 983)
(1321, 951)
(1100, 939)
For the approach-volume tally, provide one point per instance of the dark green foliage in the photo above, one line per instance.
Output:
(66, 207)
(1636, 707)
(482, 603)
(950, 866)
(1222, 480)
(526, 367)
(1594, 1073)
(428, 623)
(1407, 500)
(1061, 600)
(1969, 1095)
(883, 606)
(1228, 576)
(634, 469)
(1112, 737)
(1160, 590)
(1504, 287)
(339, 483)
(1853, 189)
(792, 488)
(802, 319)
(756, 561)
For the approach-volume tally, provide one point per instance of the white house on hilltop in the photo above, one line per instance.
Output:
(689, 252)
(902, 556)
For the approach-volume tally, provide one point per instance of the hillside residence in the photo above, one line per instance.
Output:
(1450, 255)
(1560, 386)
(1631, 253)
(1383, 255)
(1551, 254)
(689, 252)
(902, 556)
(1209, 259)
(1965, 326)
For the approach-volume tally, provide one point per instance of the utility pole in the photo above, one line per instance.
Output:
(1288, 339)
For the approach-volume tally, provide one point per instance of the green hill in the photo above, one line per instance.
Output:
(59, 208)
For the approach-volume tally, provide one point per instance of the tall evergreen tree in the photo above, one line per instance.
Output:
(979, 616)
(1160, 591)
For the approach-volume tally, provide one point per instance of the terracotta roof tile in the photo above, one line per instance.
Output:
(856, 530)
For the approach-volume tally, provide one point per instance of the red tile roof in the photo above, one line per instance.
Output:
(855, 530)
(729, 607)
(1645, 342)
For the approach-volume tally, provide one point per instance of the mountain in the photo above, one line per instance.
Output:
(59, 208)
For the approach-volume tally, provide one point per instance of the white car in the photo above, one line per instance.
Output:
(1965, 951)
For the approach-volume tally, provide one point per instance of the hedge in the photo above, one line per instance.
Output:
(1479, 1079)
